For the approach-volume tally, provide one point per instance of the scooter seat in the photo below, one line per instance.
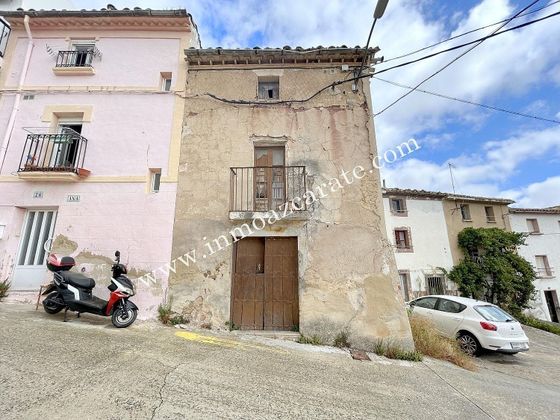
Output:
(78, 280)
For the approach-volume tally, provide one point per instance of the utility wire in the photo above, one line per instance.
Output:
(452, 61)
(469, 43)
(366, 48)
(468, 33)
(339, 82)
(465, 101)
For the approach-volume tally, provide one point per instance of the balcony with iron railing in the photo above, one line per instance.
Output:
(544, 272)
(74, 62)
(258, 190)
(53, 156)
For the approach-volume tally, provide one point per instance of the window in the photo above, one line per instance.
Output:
(435, 286)
(165, 83)
(426, 302)
(465, 212)
(269, 88)
(398, 206)
(493, 313)
(155, 180)
(490, 218)
(450, 306)
(66, 146)
(83, 54)
(543, 268)
(533, 226)
(402, 239)
(404, 277)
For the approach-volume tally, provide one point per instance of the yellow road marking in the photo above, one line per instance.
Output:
(223, 342)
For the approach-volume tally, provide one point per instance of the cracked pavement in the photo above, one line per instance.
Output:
(85, 368)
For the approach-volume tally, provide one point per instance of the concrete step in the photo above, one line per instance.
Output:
(281, 335)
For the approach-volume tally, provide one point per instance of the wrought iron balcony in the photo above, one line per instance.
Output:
(265, 188)
(544, 272)
(74, 58)
(62, 152)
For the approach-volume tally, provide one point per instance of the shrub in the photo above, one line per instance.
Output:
(168, 317)
(314, 339)
(531, 321)
(430, 343)
(393, 351)
(341, 340)
(165, 313)
(4, 287)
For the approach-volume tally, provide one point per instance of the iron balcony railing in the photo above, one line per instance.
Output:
(264, 188)
(545, 272)
(60, 152)
(74, 58)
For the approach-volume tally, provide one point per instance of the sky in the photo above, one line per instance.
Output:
(492, 153)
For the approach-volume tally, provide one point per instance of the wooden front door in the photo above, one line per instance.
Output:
(269, 178)
(265, 285)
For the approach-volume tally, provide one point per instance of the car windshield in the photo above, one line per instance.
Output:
(493, 313)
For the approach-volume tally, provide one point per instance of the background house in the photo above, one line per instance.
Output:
(462, 211)
(417, 231)
(90, 127)
(543, 251)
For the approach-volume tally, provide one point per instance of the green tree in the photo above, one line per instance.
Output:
(492, 270)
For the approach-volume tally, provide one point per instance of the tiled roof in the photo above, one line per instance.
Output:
(548, 210)
(414, 193)
(137, 11)
(444, 196)
(285, 55)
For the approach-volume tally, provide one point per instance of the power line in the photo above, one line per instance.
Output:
(452, 61)
(339, 82)
(468, 43)
(468, 33)
(465, 101)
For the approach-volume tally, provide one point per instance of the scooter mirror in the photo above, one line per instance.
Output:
(117, 254)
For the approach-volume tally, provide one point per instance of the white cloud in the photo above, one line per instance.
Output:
(539, 194)
(480, 173)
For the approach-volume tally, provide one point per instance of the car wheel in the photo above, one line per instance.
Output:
(469, 344)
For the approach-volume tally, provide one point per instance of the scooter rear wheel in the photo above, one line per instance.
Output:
(123, 317)
(50, 306)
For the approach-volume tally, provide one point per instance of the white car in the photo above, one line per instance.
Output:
(475, 324)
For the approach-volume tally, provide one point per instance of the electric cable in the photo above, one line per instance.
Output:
(468, 33)
(452, 61)
(466, 101)
(468, 43)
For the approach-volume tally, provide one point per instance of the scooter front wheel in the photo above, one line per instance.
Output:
(123, 317)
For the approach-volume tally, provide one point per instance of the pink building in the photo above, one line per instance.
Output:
(91, 113)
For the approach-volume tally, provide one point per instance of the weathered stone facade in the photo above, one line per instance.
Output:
(347, 278)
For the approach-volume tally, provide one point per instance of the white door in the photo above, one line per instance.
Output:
(38, 228)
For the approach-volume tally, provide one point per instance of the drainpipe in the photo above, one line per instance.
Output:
(15, 108)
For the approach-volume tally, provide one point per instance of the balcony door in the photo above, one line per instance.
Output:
(65, 153)
(38, 228)
(269, 178)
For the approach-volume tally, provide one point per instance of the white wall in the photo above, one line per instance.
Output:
(546, 243)
(430, 240)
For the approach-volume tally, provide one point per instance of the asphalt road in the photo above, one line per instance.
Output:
(86, 369)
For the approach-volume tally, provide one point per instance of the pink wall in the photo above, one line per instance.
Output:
(127, 135)
(125, 61)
